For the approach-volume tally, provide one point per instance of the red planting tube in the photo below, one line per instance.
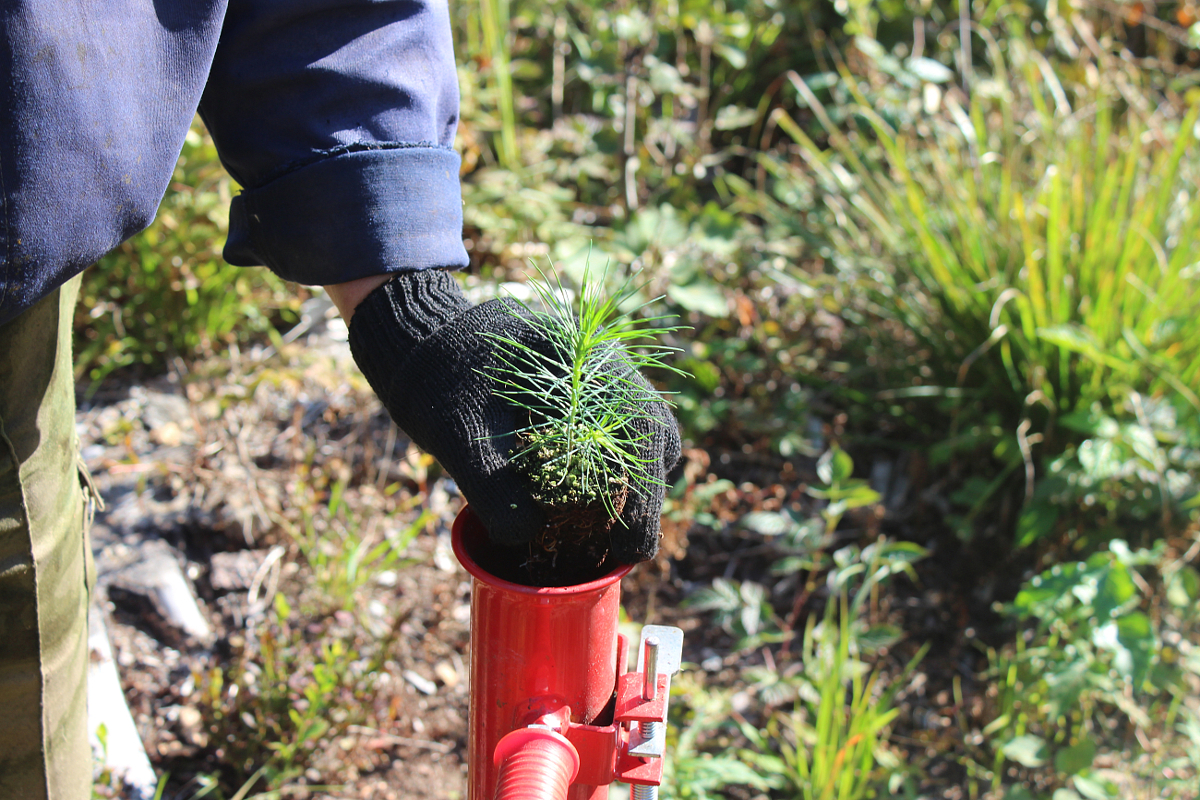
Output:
(538, 654)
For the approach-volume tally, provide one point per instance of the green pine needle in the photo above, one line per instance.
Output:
(587, 413)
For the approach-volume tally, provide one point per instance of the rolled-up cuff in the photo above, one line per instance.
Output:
(353, 215)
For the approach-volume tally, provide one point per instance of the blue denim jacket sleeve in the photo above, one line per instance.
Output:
(336, 116)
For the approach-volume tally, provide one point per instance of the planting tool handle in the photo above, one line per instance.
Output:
(535, 763)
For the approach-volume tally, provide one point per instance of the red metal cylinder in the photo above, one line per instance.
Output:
(534, 650)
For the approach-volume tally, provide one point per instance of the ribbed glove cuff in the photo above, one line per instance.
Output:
(394, 318)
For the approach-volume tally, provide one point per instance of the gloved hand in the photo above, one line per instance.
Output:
(428, 354)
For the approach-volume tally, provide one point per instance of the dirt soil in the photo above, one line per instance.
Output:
(236, 462)
(219, 464)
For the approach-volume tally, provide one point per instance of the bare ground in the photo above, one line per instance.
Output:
(263, 472)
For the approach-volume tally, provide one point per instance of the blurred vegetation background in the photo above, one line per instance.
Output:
(960, 238)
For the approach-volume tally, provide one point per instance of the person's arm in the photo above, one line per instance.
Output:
(347, 296)
(338, 116)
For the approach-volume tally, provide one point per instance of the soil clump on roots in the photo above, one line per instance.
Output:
(574, 546)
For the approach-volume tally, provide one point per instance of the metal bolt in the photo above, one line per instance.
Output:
(649, 729)
(644, 792)
(650, 668)
(650, 686)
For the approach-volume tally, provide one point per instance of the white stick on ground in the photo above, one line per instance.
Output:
(123, 753)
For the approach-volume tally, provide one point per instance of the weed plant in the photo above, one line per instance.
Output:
(1134, 476)
(1109, 656)
(343, 555)
(832, 746)
(272, 714)
(692, 771)
(1032, 247)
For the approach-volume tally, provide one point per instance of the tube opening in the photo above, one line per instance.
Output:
(497, 564)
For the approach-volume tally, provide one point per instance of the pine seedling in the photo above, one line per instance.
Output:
(585, 413)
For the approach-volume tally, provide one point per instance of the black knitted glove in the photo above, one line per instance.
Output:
(427, 352)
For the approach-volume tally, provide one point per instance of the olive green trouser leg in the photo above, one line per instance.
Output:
(45, 561)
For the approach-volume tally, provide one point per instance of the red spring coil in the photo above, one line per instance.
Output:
(535, 764)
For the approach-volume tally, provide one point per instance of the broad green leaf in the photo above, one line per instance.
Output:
(665, 78)
(929, 70)
(716, 772)
(768, 523)
(1027, 750)
(735, 56)
(879, 636)
(1087, 422)
(843, 466)
(283, 609)
(722, 595)
(808, 535)
(634, 26)
(825, 467)
(889, 551)
(1116, 588)
(908, 551)
(1035, 523)
(841, 577)
(1184, 589)
(1064, 685)
(834, 466)
(1017, 792)
(1136, 634)
(705, 298)
(1075, 758)
(755, 608)
(732, 117)
(790, 565)
(845, 556)
(1145, 445)
(1094, 788)
(870, 47)
(859, 494)
(1081, 340)
(1100, 458)
(1053, 590)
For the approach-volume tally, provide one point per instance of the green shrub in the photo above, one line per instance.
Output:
(1025, 255)
(1108, 661)
(1133, 476)
(576, 115)
(167, 291)
(692, 771)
